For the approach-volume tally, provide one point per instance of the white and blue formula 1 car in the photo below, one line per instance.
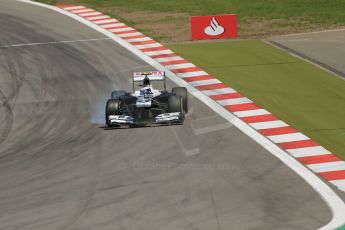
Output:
(146, 105)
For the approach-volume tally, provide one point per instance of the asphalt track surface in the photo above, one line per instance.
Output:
(326, 49)
(60, 169)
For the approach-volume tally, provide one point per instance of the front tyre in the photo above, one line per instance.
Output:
(112, 108)
(175, 104)
(182, 92)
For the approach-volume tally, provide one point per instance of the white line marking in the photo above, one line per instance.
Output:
(234, 101)
(333, 201)
(254, 112)
(137, 39)
(54, 42)
(205, 82)
(124, 35)
(116, 26)
(152, 53)
(212, 128)
(90, 14)
(116, 30)
(165, 59)
(148, 45)
(98, 22)
(180, 66)
(192, 74)
(112, 25)
(213, 92)
(288, 137)
(187, 152)
(98, 17)
(82, 11)
(327, 167)
(308, 152)
(268, 125)
(74, 8)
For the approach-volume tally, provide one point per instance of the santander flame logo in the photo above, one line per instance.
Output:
(214, 28)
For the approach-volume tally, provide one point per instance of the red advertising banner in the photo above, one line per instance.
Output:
(214, 26)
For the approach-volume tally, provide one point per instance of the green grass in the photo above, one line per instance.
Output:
(319, 10)
(306, 97)
(295, 13)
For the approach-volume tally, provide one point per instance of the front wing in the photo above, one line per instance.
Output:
(164, 118)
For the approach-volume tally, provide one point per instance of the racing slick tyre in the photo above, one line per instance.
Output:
(182, 92)
(112, 108)
(175, 104)
(117, 93)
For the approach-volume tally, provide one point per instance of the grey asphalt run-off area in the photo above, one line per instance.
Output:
(324, 48)
(60, 169)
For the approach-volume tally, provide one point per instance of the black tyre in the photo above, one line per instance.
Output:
(112, 108)
(182, 92)
(175, 104)
(117, 93)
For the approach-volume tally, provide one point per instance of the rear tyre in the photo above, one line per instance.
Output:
(112, 108)
(182, 92)
(175, 104)
(117, 93)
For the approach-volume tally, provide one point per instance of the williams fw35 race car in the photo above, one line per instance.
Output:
(146, 105)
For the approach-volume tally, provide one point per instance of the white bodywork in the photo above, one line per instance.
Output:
(161, 118)
(121, 119)
(139, 93)
(164, 117)
(152, 75)
(144, 100)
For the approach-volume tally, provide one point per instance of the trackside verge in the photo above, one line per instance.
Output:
(283, 141)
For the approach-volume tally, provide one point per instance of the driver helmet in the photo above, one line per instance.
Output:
(146, 81)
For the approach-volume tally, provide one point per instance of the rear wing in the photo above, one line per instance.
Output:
(152, 75)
